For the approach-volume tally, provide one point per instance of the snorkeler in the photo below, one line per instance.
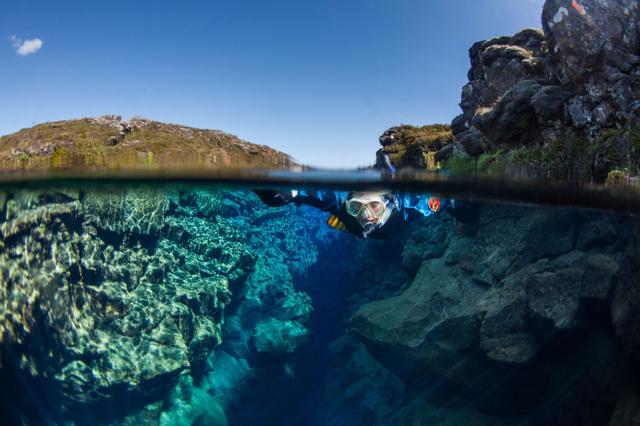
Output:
(365, 214)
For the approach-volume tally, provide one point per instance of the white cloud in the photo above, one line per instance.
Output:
(26, 47)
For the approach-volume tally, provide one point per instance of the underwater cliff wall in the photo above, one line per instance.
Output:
(511, 317)
(109, 298)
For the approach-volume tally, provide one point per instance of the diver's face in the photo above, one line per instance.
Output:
(367, 208)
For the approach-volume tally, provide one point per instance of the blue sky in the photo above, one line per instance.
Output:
(320, 80)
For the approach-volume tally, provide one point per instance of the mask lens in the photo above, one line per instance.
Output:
(354, 207)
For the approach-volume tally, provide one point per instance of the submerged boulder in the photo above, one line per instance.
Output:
(416, 329)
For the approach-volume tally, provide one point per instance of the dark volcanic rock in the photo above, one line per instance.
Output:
(414, 330)
(472, 142)
(587, 37)
(519, 295)
(496, 66)
(625, 309)
(567, 99)
(522, 113)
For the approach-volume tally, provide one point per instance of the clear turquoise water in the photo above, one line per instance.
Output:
(189, 301)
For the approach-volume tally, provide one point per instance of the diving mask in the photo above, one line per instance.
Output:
(374, 208)
(370, 209)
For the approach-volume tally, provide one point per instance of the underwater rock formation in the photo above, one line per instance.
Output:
(206, 307)
(98, 298)
(524, 296)
(107, 294)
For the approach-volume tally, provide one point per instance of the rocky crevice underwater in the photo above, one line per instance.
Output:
(206, 307)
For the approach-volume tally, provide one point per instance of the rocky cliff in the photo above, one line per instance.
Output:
(561, 102)
(413, 146)
(108, 142)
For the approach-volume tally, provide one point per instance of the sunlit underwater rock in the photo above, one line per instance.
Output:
(186, 404)
(227, 373)
(192, 405)
(139, 211)
(115, 305)
(277, 336)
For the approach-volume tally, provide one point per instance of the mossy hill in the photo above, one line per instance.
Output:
(108, 142)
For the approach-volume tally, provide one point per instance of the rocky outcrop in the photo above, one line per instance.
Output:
(496, 66)
(411, 146)
(562, 101)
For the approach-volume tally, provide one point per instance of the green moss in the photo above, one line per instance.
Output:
(149, 159)
(622, 149)
(564, 159)
(490, 163)
(568, 158)
(59, 156)
(22, 156)
(461, 165)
